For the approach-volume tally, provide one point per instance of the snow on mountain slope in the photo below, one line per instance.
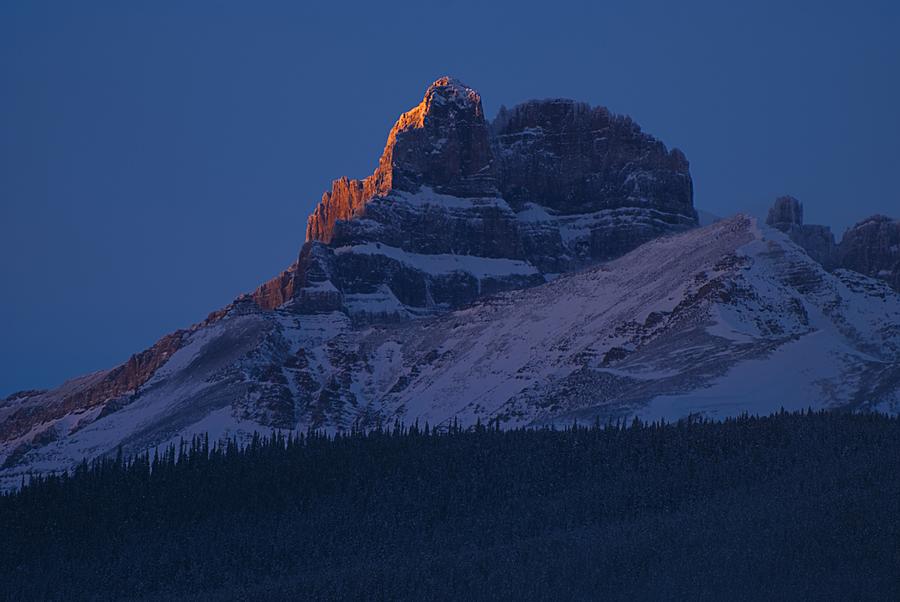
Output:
(730, 317)
(720, 320)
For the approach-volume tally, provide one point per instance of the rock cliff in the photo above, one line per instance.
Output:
(818, 241)
(458, 208)
(871, 247)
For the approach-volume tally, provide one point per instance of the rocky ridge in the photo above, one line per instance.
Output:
(871, 247)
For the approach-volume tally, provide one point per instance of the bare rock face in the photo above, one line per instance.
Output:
(872, 247)
(573, 158)
(818, 241)
(305, 285)
(588, 185)
(457, 209)
(578, 184)
(93, 390)
(277, 291)
(441, 143)
(345, 201)
(785, 213)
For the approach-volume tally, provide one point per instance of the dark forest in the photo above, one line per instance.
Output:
(791, 506)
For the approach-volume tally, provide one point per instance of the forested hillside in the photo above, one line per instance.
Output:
(792, 506)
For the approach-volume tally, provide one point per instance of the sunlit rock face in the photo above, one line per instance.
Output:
(345, 201)
(458, 208)
(441, 143)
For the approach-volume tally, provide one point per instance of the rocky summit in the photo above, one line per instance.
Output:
(458, 208)
(872, 247)
(536, 269)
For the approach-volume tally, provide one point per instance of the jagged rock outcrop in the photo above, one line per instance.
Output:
(101, 387)
(588, 185)
(818, 241)
(871, 247)
(442, 143)
(785, 213)
(345, 201)
(279, 290)
(426, 231)
(457, 208)
(572, 158)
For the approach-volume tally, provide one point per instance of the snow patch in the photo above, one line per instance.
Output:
(480, 267)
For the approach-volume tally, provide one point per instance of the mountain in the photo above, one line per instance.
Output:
(719, 320)
(538, 269)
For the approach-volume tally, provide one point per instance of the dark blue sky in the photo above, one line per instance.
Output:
(156, 160)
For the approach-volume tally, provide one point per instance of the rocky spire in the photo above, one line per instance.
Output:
(872, 247)
(442, 143)
(786, 212)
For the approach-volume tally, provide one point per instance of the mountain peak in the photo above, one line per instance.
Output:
(458, 208)
(450, 89)
(549, 187)
(443, 91)
(442, 142)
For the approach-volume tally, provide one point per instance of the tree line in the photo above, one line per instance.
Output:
(794, 505)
